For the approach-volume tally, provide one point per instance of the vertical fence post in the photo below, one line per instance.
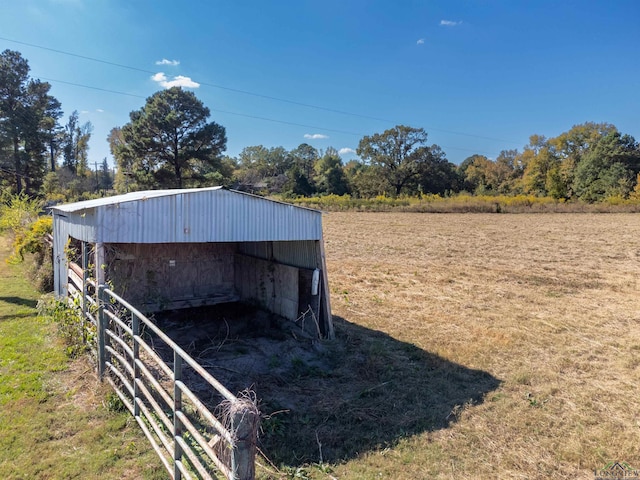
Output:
(101, 332)
(177, 407)
(85, 275)
(135, 328)
(244, 421)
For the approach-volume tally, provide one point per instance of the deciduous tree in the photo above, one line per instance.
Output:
(609, 168)
(439, 175)
(541, 168)
(330, 176)
(401, 154)
(570, 146)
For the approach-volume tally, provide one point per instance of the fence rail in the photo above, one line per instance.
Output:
(190, 439)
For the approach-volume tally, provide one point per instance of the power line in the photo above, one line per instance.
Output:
(290, 123)
(254, 94)
(13, 172)
(92, 88)
(214, 109)
(266, 119)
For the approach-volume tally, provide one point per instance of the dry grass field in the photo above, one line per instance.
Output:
(539, 313)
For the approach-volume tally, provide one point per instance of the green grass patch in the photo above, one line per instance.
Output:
(54, 420)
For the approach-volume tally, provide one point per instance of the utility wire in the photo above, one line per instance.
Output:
(13, 172)
(266, 119)
(246, 92)
(92, 88)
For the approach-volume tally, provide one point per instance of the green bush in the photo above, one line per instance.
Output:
(17, 213)
(68, 319)
(31, 240)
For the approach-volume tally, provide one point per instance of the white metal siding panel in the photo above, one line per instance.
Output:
(206, 215)
(209, 216)
(60, 235)
(127, 197)
(80, 225)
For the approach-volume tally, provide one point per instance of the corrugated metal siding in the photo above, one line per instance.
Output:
(205, 215)
(126, 197)
(60, 236)
(256, 249)
(301, 254)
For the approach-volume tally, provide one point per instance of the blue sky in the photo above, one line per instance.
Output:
(478, 76)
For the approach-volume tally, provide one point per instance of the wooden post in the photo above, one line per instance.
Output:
(177, 406)
(244, 427)
(101, 332)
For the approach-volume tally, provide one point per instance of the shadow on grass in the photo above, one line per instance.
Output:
(15, 316)
(378, 391)
(24, 302)
(361, 392)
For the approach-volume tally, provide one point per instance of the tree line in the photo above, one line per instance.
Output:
(170, 143)
(39, 156)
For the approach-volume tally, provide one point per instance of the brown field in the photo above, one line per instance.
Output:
(533, 319)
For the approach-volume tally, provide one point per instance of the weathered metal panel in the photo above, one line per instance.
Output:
(60, 235)
(256, 249)
(192, 215)
(127, 197)
(79, 225)
(301, 253)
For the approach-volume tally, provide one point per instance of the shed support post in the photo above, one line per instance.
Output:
(327, 318)
(100, 266)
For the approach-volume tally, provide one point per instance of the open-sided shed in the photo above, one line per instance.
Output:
(170, 249)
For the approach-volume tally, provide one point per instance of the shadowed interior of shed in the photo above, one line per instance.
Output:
(169, 276)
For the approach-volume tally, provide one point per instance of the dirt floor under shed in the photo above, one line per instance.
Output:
(247, 348)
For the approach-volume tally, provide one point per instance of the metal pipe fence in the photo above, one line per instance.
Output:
(191, 440)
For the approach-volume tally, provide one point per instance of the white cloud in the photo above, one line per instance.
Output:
(346, 151)
(164, 61)
(420, 41)
(84, 112)
(159, 77)
(99, 110)
(449, 23)
(315, 136)
(178, 81)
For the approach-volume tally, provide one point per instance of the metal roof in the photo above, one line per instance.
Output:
(212, 214)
